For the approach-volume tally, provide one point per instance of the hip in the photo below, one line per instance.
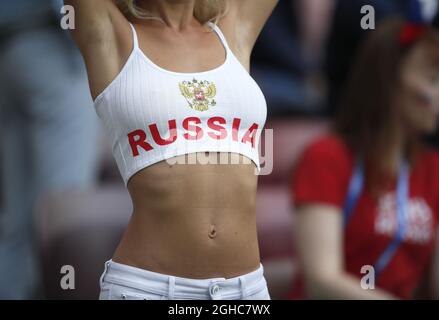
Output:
(123, 282)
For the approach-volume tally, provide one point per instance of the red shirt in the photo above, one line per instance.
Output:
(323, 175)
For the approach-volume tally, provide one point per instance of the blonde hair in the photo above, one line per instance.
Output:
(205, 10)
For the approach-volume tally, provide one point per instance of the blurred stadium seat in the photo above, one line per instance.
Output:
(82, 228)
(274, 208)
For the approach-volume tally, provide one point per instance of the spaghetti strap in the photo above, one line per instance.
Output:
(135, 38)
(220, 35)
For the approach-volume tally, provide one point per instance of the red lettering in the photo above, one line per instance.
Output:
(138, 139)
(156, 134)
(250, 135)
(212, 124)
(217, 129)
(192, 128)
(235, 129)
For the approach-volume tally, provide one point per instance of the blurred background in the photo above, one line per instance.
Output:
(62, 200)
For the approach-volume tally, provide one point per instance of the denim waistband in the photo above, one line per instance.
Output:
(179, 288)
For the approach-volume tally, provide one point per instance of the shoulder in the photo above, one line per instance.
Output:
(326, 159)
(428, 165)
(328, 147)
(431, 156)
(427, 162)
(322, 174)
(426, 170)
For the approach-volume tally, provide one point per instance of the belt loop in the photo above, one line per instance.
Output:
(101, 279)
(243, 288)
(171, 288)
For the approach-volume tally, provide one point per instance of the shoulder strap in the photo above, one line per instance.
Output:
(220, 34)
(135, 37)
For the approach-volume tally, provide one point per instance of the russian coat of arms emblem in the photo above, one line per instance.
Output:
(199, 94)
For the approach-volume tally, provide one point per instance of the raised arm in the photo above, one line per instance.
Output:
(253, 14)
(103, 36)
(92, 18)
(245, 20)
(319, 233)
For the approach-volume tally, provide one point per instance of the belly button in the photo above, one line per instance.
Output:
(212, 232)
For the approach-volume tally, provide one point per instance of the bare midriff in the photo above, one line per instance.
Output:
(193, 220)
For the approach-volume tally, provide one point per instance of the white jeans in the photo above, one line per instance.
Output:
(122, 282)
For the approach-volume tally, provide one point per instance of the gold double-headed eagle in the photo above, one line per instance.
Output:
(199, 94)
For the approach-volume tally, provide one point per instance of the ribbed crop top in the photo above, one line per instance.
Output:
(152, 114)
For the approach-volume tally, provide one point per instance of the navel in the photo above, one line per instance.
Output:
(212, 232)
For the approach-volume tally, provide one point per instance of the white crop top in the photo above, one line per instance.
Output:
(152, 114)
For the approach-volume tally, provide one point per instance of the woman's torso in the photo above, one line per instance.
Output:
(189, 220)
(194, 221)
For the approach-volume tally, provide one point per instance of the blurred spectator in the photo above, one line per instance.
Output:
(304, 38)
(368, 195)
(346, 35)
(287, 53)
(49, 131)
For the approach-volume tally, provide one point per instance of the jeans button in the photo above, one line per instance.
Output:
(214, 290)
